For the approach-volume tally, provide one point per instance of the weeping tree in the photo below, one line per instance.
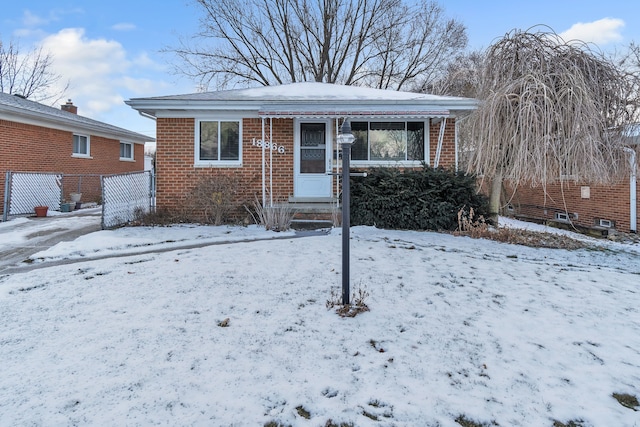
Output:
(549, 109)
(388, 44)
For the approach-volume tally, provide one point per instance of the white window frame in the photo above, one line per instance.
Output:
(606, 223)
(407, 163)
(216, 163)
(130, 158)
(73, 143)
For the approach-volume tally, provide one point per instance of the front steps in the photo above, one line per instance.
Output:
(313, 214)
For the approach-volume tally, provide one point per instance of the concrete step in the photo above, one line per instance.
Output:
(313, 214)
(310, 224)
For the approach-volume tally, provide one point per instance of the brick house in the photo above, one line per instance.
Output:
(596, 209)
(38, 138)
(279, 142)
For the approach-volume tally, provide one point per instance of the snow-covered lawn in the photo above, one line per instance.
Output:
(457, 328)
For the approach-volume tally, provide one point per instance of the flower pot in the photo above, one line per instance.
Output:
(75, 197)
(41, 210)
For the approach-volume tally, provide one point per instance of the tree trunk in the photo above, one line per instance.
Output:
(494, 197)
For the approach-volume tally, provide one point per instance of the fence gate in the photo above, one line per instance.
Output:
(26, 190)
(125, 197)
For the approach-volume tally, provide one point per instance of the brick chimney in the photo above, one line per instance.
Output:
(69, 107)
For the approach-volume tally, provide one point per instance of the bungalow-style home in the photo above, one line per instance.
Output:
(38, 138)
(279, 142)
(596, 209)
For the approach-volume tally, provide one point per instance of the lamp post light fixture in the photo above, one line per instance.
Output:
(345, 139)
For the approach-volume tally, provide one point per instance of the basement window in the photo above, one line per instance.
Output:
(562, 216)
(605, 223)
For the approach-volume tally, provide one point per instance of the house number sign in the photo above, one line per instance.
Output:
(268, 145)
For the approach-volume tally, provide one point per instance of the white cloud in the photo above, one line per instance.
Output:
(31, 20)
(600, 32)
(124, 26)
(99, 70)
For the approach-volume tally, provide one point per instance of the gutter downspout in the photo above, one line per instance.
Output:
(633, 194)
(147, 115)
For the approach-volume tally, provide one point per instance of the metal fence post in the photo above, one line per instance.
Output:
(7, 193)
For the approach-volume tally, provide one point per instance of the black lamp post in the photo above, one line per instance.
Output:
(345, 139)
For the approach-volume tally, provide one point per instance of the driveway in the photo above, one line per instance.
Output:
(23, 237)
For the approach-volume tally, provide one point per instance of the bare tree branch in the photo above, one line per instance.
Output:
(29, 74)
(380, 43)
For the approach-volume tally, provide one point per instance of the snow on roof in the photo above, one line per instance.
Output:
(310, 94)
(311, 91)
(16, 107)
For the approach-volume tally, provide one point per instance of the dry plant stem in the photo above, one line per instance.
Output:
(277, 218)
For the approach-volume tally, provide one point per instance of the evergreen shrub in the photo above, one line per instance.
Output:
(424, 199)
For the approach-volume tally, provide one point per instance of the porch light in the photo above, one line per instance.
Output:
(345, 139)
(345, 136)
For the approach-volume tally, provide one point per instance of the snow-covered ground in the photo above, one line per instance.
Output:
(457, 327)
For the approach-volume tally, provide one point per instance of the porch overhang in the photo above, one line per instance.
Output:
(289, 113)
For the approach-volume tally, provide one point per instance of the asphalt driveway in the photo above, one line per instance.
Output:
(21, 238)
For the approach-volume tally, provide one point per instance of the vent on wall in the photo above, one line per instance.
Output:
(605, 223)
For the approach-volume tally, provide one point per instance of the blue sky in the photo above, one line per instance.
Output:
(110, 51)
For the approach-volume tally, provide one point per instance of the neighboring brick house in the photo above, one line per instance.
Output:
(597, 209)
(38, 138)
(280, 141)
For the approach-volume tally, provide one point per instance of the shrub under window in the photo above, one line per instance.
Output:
(426, 199)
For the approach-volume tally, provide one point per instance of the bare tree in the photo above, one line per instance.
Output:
(461, 76)
(28, 74)
(549, 109)
(377, 43)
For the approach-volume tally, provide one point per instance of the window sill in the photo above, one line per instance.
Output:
(399, 163)
(218, 165)
(81, 156)
(124, 159)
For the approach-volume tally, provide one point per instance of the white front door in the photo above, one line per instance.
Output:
(312, 157)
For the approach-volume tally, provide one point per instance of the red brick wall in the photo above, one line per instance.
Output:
(176, 175)
(605, 202)
(29, 148)
(448, 151)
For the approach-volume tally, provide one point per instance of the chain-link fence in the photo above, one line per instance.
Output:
(26, 190)
(88, 186)
(125, 197)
